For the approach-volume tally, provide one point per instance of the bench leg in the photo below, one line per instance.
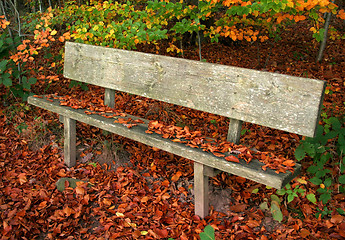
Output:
(201, 198)
(69, 141)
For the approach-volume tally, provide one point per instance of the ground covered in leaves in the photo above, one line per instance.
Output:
(132, 191)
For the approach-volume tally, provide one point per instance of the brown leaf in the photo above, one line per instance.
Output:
(304, 233)
(42, 205)
(336, 219)
(163, 233)
(22, 178)
(238, 207)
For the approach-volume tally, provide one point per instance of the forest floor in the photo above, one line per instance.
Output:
(139, 192)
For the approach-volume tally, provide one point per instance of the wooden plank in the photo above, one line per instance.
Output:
(201, 188)
(274, 100)
(69, 141)
(250, 171)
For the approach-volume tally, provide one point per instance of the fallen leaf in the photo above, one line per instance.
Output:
(176, 177)
(232, 158)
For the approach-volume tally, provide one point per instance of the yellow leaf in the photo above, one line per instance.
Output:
(119, 214)
(53, 32)
(312, 29)
(144, 233)
(302, 181)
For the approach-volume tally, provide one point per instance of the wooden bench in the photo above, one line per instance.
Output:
(269, 99)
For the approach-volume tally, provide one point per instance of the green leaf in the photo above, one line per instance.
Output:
(309, 149)
(331, 134)
(281, 192)
(276, 212)
(336, 125)
(341, 139)
(290, 198)
(275, 198)
(342, 179)
(32, 81)
(3, 64)
(299, 152)
(325, 197)
(341, 211)
(313, 169)
(315, 180)
(256, 190)
(264, 206)
(311, 197)
(328, 182)
(7, 81)
(208, 233)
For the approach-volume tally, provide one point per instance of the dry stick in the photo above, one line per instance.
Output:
(181, 47)
(199, 43)
(324, 40)
(199, 40)
(3, 10)
(20, 35)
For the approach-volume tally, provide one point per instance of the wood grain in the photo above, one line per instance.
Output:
(274, 100)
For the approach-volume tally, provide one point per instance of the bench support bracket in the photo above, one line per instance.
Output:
(69, 141)
(234, 132)
(109, 97)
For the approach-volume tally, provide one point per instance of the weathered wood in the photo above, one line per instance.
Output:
(269, 99)
(234, 131)
(69, 141)
(250, 171)
(109, 97)
(201, 188)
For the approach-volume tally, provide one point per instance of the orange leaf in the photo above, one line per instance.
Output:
(289, 163)
(144, 199)
(176, 176)
(218, 154)
(80, 190)
(232, 158)
(21, 47)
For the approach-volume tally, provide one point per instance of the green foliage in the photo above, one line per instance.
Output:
(327, 152)
(208, 234)
(291, 192)
(10, 75)
(274, 206)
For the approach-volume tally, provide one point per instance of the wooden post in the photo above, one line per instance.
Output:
(109, 97)
(70, 141)
(234, 132)
(201, 198)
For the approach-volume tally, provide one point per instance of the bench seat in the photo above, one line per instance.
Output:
(252, 170)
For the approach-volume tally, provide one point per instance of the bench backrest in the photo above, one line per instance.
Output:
(269, 99)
